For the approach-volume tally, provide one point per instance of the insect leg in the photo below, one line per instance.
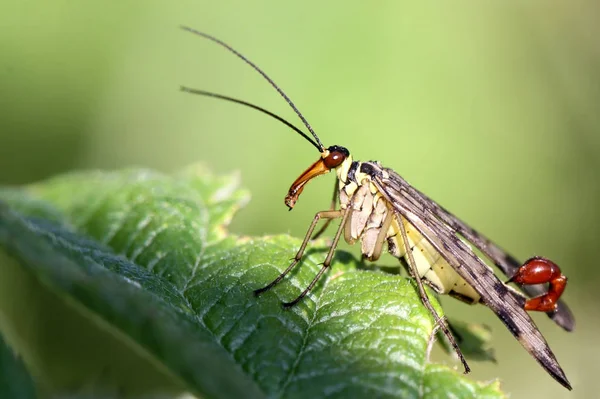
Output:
(432, 337)
(540, 270)
(385, 226)
(344, 214)
(331, 207)
(319, 215)
(425, 299)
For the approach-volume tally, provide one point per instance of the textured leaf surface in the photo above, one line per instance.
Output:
(150, 256)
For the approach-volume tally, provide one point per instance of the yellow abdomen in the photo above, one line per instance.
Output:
(432, 267)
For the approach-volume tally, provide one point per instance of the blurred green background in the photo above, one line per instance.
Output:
(492, 110)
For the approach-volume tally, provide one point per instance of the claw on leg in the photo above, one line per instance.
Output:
(538, 270)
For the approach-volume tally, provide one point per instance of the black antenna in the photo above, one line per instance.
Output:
(256, 107)
(264, 75)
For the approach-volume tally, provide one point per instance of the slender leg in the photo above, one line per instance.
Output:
(327, 262)
(425, 299)
(540, 270)
(331, 208)
(431, 340)
(385, 226)
(323, 214)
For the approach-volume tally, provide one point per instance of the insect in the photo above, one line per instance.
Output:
(377, 207)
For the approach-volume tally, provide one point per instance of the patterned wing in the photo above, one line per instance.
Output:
(504, 261)
(504, 302)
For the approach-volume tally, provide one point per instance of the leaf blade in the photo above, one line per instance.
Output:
(358, 333)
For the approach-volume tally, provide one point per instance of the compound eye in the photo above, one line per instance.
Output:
(334, 159)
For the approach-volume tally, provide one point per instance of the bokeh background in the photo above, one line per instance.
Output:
(491, 109)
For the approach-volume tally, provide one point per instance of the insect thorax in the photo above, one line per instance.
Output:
(374, 222)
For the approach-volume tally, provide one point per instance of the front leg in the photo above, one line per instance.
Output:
(331, 208)
(344, 213)
(319, 215)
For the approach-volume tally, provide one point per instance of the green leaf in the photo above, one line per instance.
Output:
(15, 381)
(148, 256)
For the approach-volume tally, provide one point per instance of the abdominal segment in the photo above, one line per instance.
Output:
(432, 267)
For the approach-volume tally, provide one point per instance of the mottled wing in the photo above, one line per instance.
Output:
(504, 261)
(506, 304)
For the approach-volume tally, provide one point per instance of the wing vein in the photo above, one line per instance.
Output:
(438, 227)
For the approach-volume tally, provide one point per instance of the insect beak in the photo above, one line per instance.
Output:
(316, 169)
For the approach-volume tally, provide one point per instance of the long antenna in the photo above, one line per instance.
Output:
(264, 75)
(256, 107)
